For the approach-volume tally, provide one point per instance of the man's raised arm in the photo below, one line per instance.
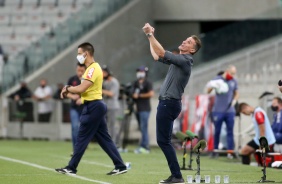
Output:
(156, 48)
(155, 56)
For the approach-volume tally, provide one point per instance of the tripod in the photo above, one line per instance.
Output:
(263, 178)
(185, 155)
(198, 165)
(191, 160)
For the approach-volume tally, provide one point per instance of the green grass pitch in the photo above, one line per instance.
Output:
(145, 169)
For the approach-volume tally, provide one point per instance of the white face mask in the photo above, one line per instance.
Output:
(80, 58)
(140, 75)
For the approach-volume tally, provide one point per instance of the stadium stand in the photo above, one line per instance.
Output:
(27, 27)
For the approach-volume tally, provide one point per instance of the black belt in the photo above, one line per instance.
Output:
(167, 98)
(87, 102)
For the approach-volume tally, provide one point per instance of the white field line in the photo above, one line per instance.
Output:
(23, 175)
(87, 162)
(49, 169)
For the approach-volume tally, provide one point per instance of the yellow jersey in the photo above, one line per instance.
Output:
(94, 74)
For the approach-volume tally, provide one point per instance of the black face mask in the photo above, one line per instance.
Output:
(274, 108)
(43, 86)
(106, 77)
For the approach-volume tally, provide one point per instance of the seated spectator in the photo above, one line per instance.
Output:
(262, 128)
(277, 119)
(20, 97)
(42, 95)
(22, 93)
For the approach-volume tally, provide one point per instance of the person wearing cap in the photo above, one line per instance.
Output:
(143, 91)
(110, 95)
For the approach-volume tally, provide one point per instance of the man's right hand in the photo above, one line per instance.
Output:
(148, 29)
(63, 93)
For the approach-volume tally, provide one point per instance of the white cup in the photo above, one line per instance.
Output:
(198, 178)
(226, 179)
(217, 179)
(189, 178)
(207, 178)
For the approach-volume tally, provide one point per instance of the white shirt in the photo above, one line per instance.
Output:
(46, 105)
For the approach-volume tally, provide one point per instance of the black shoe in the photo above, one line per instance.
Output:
(172, 179)
(117, 171)
(65, 171)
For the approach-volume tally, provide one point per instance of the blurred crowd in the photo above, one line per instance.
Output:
(120, 99)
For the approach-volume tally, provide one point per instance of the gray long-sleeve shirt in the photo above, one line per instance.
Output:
(177, 76)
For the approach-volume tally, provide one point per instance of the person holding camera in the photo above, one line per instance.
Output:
(143, 91)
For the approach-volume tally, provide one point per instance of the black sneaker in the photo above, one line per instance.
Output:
(117, 171)
(65, 171)
(172, 179)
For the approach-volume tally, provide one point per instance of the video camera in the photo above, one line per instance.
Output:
(125, 93)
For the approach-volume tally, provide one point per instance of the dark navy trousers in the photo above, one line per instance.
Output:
(168, 111)
(93, 125)
(228, 118)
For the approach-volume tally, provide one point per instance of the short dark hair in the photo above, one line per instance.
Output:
(86, 46)
(279, 100)
(242, 106)
(80, 65)
(198, 43)
(220, 73)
